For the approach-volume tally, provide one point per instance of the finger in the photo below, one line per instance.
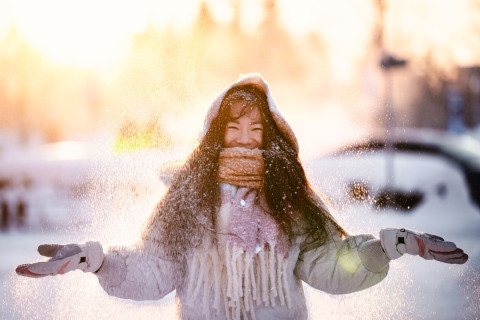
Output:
(51, 267)
(435, 237)
(23, 270)
(49, 250)
(66, 252)
(456, 256)
(460, 260)
(454, 259)
(439, 245)
(456, 252)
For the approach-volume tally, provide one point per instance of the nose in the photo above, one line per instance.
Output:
(244, 137)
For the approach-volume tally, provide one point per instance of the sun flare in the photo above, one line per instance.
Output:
(87, 33)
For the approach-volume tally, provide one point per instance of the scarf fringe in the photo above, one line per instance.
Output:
(244, 280)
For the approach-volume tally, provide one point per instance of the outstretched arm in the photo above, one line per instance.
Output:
(344, 265)
(135, 272)
(358, 262)
(138, 272)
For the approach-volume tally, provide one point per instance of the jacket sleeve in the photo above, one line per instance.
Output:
(138, 272)
(343, 265)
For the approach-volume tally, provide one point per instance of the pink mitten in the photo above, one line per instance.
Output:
(396, 242)
(87, 257)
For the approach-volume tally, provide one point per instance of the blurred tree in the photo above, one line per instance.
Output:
(434, 45)
(19, 66)
(276, 50)
(204, 22)
(40, 98)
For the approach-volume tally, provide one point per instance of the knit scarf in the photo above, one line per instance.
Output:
(247, 266)
(241, 167)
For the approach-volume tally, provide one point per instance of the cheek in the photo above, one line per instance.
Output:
(258, 138)
(227, 139)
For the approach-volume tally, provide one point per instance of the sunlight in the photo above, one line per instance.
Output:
(90, 33)
(83, 34)
(440, 29)
(346, 26)
(96, 33)
(321, 44)
(64, 150)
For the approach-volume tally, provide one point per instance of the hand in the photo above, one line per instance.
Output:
(396, 242)
(87, 257)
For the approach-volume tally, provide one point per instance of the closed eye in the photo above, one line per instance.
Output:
(232, 126)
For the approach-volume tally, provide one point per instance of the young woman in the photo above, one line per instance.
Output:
(240, 228)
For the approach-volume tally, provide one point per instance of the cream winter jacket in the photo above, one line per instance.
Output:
(341, 265)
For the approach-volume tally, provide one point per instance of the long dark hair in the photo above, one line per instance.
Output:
(189, 206)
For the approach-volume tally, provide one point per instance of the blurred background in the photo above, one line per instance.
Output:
(97, 96)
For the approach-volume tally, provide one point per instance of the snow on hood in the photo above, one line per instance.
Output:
(257, 80)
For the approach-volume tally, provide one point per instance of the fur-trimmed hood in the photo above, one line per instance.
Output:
(256, 80)
(166, 173)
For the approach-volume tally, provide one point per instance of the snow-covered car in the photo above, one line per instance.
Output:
(404, 166)
(430, 178)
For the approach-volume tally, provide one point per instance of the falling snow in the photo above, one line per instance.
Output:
(414, 288)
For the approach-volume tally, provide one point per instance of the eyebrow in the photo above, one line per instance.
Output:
(251, 123)
(236, 121)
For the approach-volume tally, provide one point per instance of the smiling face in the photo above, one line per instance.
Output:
(245, 128)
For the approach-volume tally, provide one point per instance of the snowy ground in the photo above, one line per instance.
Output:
(124, 190)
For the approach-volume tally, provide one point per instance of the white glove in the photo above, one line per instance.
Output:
(87, 257)
(396, 242)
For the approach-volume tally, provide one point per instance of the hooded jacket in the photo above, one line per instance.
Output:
(145, 270)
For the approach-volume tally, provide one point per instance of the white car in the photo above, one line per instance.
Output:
(408, 163)
(369, 187)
